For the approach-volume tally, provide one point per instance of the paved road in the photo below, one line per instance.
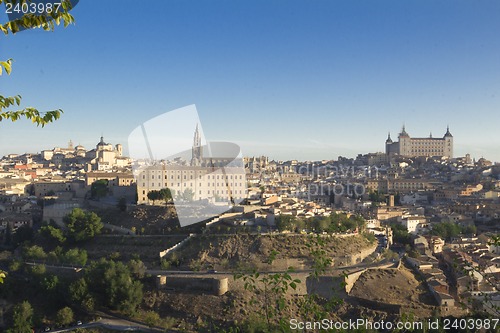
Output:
(112, 323)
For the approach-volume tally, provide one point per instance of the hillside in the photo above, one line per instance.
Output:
(148, 220)
(398, 287)
(124, 247)
(248, 251)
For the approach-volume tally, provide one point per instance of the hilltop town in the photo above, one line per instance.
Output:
(414, 219)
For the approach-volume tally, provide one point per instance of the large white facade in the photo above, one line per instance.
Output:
(413, 147)
(214, 184)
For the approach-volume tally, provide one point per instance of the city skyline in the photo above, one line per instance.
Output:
(300, 81)
(73, 146)
(89, 145)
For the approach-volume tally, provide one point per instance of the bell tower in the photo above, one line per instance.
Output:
(404, 143)
(448, 143)
(388, 144)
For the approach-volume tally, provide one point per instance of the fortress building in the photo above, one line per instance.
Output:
(416, 147)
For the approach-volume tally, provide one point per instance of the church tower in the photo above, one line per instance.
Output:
(196, 153)
(448, 144)
(388, 144)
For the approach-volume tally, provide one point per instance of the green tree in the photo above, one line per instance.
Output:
(15, 265)
(285, 222)
(137, 268)
(349, 224)
(166, 194)
(446, 230)
(272, 290)
(74, 257)
(34, 252)
(269, 292)
(64, 316)
(400, 234)
(22, 318)
(89, 302)
(114, 285)
(82, 225)
(151, 318)
(37, 271)
(55, 256)
(321, 223)
(359, 220)
(52, 233)
(99, 189)
(78, 290)
(50, 283)
(154, 195)
(300, 225)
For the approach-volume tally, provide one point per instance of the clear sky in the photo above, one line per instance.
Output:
(287, 79)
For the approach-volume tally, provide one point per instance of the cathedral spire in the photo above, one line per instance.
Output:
(196, 155)
(197, 137)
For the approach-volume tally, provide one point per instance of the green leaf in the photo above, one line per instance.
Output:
(7, 65)
(281, 304)
(14, 27)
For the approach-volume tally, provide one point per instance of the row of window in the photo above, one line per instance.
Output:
(426, 150)
(440, 143)
(411, 185)
(191, 177)
(213, 192)
(190, 184)
(200, 198)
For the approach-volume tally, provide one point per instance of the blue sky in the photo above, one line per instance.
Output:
(287, 79)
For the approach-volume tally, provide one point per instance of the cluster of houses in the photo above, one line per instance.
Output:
(16, 212)
(465, 271)
(417, 193)
(61, 178)
(429, 267)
